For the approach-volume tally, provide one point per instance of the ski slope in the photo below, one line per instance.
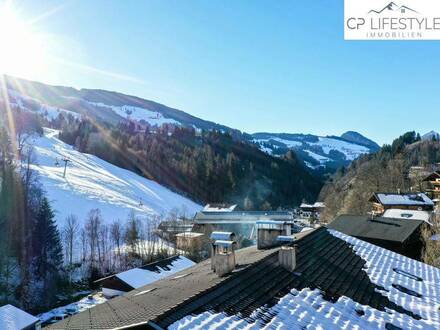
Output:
(92, 183)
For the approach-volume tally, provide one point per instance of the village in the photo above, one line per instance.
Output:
(236, 262)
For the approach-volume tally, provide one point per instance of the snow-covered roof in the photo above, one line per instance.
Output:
(404, 199)
(338, 282)
(219, 208)
(411, 285)
(407, 214)
(315, 205)
(13, 318)
(189, 234)
(138, 277)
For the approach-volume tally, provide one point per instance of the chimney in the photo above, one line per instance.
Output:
(287, 257)
(269, 230)
(223, 252)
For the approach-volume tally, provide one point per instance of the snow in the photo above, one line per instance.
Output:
(93, 183)
(404, 199)
(307, 309)
(47, 111)
(407, 214)
(75, 307)
(13, 318)
(136, 113)
(52, 113)
(319, 158)
(350, 150)
(327, 144)
(138, 277)
(217, 208)
(381, 266)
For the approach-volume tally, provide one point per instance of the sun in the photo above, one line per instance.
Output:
(22, 51)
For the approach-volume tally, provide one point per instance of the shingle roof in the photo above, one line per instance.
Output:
(386, 229)
(326, 264)
(407, 301)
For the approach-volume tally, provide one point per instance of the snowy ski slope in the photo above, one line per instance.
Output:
(91, 183)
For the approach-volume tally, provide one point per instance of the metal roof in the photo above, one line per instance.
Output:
(386, 229)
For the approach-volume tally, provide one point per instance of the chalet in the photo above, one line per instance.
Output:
(400, 235)
(433, 182)
(407, 201)
(322, 279)
(13, 318)
(311, 211)
(118, 284)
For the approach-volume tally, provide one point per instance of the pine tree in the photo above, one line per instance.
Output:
(47, 249)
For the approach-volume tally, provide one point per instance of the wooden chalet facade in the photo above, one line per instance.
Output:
(433, 183)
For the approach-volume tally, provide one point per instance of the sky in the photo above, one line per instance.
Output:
(273, 66)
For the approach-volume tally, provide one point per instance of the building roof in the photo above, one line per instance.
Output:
(432, 176)
(241, 216)
(138, 277)
(380, 228)
(338, 280)
(414, 199)
(219, 207)
(189, 234)
(317, 205)
(408, 214)
(13, 318)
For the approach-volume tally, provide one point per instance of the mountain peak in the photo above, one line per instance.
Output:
(431, 135)
(358, 138)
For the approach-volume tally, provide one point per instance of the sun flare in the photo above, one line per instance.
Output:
(22, 51)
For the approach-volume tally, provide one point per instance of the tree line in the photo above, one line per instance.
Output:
(208, 166)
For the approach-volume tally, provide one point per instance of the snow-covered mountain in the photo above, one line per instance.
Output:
(430, 136)
(317, 151)
(107, 106)
(93, 183)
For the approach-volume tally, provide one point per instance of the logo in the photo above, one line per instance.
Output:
(382, 20)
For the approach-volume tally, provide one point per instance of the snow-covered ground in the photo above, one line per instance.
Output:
(136, 113)
(92, 183)
(319, 150)
(350, 150)
(49, 112)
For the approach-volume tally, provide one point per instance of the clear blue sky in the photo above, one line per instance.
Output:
(279, 66)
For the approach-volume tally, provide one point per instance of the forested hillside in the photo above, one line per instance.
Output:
(31, 252)
(208, 166)
(387, 170)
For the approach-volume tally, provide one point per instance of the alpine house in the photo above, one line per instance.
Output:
(321, 279)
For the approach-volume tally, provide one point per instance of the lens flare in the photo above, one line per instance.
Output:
(22, 48)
